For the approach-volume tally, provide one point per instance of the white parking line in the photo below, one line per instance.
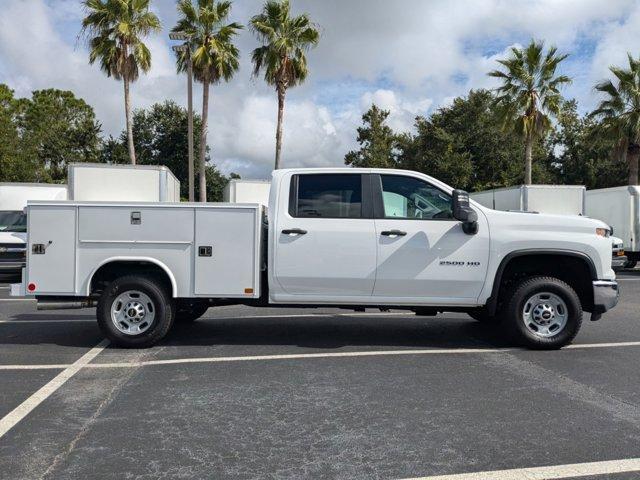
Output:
(305, 356)
(547, 473)
(22, 410)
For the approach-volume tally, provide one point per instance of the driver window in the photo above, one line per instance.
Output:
(408, 197)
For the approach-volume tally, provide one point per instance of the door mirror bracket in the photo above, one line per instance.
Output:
(462, 211)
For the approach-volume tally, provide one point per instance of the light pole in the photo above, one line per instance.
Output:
(185, 47)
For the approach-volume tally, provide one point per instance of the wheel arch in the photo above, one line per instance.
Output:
(141, 262)
(512, 258)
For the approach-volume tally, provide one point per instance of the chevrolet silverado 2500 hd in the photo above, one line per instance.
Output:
(333, 237)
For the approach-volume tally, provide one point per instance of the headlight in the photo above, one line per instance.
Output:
(603, 232)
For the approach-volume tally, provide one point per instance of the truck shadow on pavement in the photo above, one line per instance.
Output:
(332, 332)
(320, 332)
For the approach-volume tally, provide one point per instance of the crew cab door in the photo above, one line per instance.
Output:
(423, 253)
(323, 240)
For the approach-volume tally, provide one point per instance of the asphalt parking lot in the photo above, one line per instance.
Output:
(263, 393)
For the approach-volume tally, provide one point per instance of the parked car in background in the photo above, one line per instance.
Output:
(618, 258)
(13, 220)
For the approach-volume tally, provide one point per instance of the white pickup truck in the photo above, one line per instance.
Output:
(340, 237)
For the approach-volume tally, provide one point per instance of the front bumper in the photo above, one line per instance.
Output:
(618, 261)
(605, 295)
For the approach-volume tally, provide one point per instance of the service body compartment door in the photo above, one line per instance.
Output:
(227, 252)
(51, 264)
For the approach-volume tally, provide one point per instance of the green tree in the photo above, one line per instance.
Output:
(214, 56)
(160, 134)
(16, 164)
(58, 129)
(377, 142)
(465, 145)
(41, 135)
(116, 29)
(433, 150)
(620, 114)
(529, 95)
(581, 155)
(285, 40)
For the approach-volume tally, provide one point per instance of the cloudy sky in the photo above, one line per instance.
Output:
(408, 56)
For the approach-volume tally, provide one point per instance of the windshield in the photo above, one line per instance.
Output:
(13, 222)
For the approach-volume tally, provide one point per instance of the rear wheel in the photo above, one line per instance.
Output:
(543, 313)
(135, 311)
(190, 311)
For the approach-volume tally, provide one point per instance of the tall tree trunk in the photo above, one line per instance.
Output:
(528, 149)
(190, 127)
(633, 153)
(203, 141)
(127, 108)
(281, 93)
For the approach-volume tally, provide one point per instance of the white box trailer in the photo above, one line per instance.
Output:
(620, 208)
(135, 183)
(247, 191)
(554, 199)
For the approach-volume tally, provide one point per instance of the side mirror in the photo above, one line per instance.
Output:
(462, 211)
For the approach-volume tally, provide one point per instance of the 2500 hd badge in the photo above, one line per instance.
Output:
(449, 263)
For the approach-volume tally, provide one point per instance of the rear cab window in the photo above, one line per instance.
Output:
(326, 196)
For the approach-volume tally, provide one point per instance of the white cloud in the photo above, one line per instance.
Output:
(402, 112)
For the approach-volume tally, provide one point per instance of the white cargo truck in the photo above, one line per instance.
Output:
(620, 208)
(13, 220)
(247, 191)
(132, 183)
(556, 199)
(341, 237)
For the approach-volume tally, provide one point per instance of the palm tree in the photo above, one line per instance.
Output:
(285, 41)
(214, 57)
(529, 95)
(620, 113)
(116, 29)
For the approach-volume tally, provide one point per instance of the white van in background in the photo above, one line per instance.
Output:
(13, 220)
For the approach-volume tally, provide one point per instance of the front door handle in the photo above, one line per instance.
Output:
(292, 231)
(393, 233)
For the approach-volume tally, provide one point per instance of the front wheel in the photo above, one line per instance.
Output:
(135, 312)
(543, 313)
(630, 264)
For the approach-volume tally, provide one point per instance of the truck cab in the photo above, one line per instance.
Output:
(340, 237)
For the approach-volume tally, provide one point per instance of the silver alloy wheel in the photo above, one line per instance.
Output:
(545, 314)
(132, 312)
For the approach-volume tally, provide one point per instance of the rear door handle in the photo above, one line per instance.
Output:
(393, 233)
(292, 231)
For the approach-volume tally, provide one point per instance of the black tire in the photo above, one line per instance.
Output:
(514, 316)
(190, 312)
(159, 302)
(630, 264)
